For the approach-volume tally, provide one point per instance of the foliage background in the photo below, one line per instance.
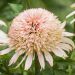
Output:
(10, 8)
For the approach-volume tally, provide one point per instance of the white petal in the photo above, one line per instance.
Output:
(2, 44)
(49, 58)
(72, 21)
(3, 37)
(28, 62)
(71, 14)
(68, 41)
(68, 34)
(5, 51)
(15, 57)
(2, 23)
(73, 5)
(63, 24)
(59, 52)
(65, 47)
(41, 60)
(21, 61)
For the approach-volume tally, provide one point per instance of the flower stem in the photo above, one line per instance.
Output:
(70, 70)
(37, 67)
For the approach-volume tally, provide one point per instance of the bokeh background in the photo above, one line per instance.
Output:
(11, 8)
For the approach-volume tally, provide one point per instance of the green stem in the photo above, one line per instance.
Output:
(53, 70)
(70, 70)
(37, 67)
(22, 70)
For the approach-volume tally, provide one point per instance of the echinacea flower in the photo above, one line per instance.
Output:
(36, 31)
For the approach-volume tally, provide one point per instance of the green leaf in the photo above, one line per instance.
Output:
(25, 73)
(59, 72)
(16, 7)
(73, 55)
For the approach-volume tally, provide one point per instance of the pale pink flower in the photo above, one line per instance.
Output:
(36, 30)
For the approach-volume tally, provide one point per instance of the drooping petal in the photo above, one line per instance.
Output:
(41, 60)
(2, 44)
(71, 14)
(59, 52)
(28, 61)
(63, 24)
(5, 51)
(65, 47)
(15, 57)
(3, 37)
(49, 58)
(21, 61)
(72, 21)
(68, 41)
(2, 23)
(68, 34)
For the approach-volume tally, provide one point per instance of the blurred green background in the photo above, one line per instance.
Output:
(60, 7)
(10, 8)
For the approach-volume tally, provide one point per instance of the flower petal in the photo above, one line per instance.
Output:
(68, 41)
(28, 62)
(3, 37)
(2, 23)
(49, 58)
(5, 51)
(15, 57)
(68, 34)
(72, 21)
(21, 61)
(41, 60)
(71, 14)
(65, 47)
(63, 24)
(59, 52)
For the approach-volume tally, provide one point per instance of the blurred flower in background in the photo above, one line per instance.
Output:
(36, 31)
(72, 14)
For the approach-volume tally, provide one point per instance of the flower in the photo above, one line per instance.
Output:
(36, 31)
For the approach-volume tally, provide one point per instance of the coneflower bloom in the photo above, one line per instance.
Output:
(36, 31)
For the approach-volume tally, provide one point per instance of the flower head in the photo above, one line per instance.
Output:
(37, 31)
